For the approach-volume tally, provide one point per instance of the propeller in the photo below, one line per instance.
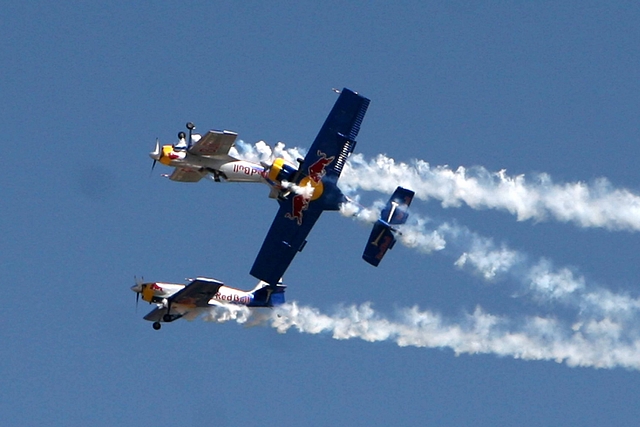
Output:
(155, 154)
(137, 288)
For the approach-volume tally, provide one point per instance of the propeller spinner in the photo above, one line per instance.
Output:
(155, 154)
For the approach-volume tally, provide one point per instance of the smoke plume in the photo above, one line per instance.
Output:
(500, 264)
(539, 199)
(597, 344)
(603, 332)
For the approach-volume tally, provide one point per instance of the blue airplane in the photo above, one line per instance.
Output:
(315, 187)
(382, 236)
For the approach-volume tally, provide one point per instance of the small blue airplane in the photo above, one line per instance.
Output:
(382, 236)
(317, 179)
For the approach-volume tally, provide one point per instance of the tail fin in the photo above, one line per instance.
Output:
(382, 236)
(266, 295)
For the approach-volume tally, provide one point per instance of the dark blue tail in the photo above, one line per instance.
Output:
(382, 236)
(265, 295)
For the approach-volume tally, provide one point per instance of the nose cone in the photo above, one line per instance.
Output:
(137, 288)
(156, 154)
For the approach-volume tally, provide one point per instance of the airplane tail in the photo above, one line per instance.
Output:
(382, 236)
(266, 295)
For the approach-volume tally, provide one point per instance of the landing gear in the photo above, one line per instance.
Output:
(157, 326)
(167, 316)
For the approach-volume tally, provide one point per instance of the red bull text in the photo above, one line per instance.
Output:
(233, 299)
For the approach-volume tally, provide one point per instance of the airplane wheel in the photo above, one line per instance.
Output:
(167, 318)
(157, 326)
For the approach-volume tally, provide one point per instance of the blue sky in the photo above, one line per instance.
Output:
(530, 87)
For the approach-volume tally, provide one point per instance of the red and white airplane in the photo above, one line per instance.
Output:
(174, 301)
(194, 157)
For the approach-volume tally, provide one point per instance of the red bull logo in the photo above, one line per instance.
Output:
(316, 172)
(300, 203)
(234, 299)
(246, 169)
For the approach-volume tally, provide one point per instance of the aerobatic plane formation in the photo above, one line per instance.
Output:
(303, 193)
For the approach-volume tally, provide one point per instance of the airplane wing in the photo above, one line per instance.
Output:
(197, 293)
(284, 239)
(337, 135)
(320, 169)
(156, 314)
(382, 236)
(186, 175)
(214, 143)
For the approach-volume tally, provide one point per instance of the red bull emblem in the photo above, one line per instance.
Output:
(234, 299)
(300, 203)
(316, 172)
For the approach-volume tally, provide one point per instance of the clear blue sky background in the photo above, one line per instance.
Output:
(86, 88)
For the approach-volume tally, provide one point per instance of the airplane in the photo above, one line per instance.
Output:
(318, 174)
(208, 155)
(196, 156)
(382, 236)
(174, 301)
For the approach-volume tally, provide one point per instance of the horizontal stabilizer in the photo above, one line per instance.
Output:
(380, 240)
(382, 236)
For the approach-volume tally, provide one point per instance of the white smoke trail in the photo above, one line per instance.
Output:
(605, 332)
(586, 205)
(261, 152)
(595, 205)
(597, 344)
(540, 279)
(598, 206)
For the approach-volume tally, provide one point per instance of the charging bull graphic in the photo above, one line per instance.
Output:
(317, 171)
(299, 203)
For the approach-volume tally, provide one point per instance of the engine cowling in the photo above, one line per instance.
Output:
(281, 171)
(169, 153)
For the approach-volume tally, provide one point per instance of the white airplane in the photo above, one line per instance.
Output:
(195, 157)
(174, 301)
